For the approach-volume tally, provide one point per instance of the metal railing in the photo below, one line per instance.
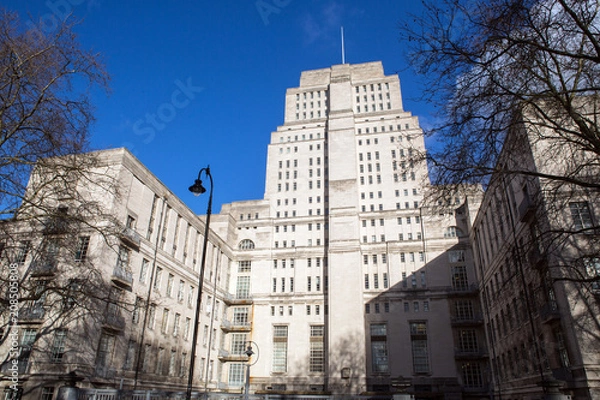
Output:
(114, 394)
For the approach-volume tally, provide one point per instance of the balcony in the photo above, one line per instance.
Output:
(122, 277)
(225, 356)
(240, 299)
(463, 289)
(113, 322)
(235, 326)
(131, 238)
(470, 320)
(549, 312)
(43, 267)
(469, 354)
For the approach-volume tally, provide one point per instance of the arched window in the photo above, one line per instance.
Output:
(452, 232)
(246, 244)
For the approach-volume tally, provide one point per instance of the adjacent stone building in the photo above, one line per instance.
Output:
(536, 251)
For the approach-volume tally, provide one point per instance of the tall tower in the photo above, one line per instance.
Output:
(349, 274)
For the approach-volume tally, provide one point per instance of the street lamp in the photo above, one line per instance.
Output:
(197, 189)
(249, 352)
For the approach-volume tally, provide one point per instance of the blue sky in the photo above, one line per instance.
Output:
(203, 82)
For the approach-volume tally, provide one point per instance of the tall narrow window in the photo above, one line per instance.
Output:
(157, 278)
(105, 350)
(317, 354)
(379, 354)
(243, 287)
(459, 277)
(58, 345)
(130, 355)
(280, 342)
(144, 271)
(83, 243)
(418, 340)
(170, 280)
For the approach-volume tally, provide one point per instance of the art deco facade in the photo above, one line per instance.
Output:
(343, 278)
(357, 284)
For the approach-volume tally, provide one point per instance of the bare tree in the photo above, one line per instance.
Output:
(486, 62)
(45, 109)
(57, 229)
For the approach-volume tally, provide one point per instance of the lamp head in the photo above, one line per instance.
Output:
(249, 351)
(197, 189)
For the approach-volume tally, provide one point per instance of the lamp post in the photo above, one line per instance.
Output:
(249, 352)
(197, 189)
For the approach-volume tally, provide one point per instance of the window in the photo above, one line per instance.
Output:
(236, 374)
(238, 344)
(151, 316)
(459, 277)
(467, 341)
(23, 250)
(246, 244)
(190, 298)
(176, 324)
(242, 287)
(165, 321)
(471, 375)
(183, 365)
(157, 278)
(105, 350)
(379, 355)
(452, 232)
(144, 271)
(58, 345)
(83, 244)
(47, 393)
(592, 267)
(418, 339)
(463, 310)
(135, 315)
(245, 266)
(455, 256)
(186, 328)
(170, 280)
(172, 358)
(159, 360)
(580, 213)
(180, 291)
(317, 354)
(130, 355)
(280, 340)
